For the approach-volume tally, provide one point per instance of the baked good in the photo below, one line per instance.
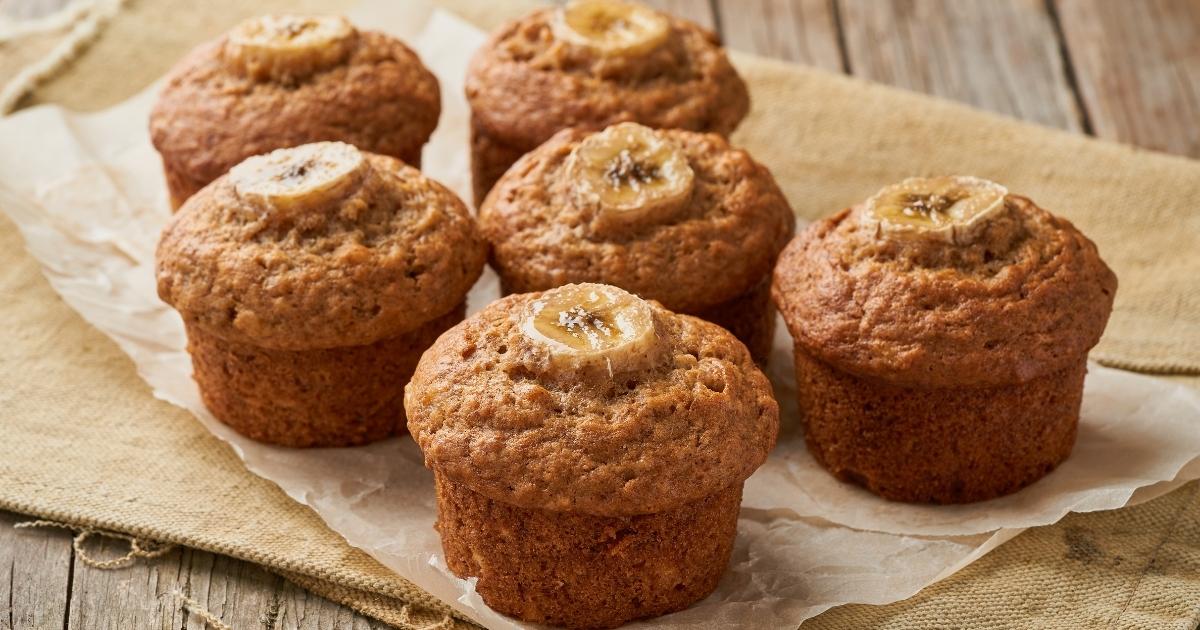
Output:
(592, 63)
(589, 449)
(675, 216)
(310, 280)
(942, 330)
(283, 80)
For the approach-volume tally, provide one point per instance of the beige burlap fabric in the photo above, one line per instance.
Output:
(83, 441)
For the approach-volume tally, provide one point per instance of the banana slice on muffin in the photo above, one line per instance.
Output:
(303, 177)
(631, 173)
(585, 325)
(611, 27)
(290, 47)
(952, 208)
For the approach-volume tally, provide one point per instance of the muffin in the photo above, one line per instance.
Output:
(942, 330)
(310, 280)
(671, 215)
(589, 450)
(280, 81)
(592, 63)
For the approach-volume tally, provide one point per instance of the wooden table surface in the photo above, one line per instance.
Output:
(1121, 70)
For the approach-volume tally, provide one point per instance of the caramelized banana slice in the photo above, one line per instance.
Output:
(633, 173)
(289, 47)
(593, 325)
(950, 208)
(302, 177)
(611, 27)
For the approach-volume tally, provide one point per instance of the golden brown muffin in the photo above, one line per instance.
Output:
(310, 281)
(590, 64)
(281, 81)
(942, 331)
(675, 216)
(589, 450)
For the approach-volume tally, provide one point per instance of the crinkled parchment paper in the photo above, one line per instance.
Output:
(88, 195)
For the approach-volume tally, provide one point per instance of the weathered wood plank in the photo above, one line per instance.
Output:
(698, 11)
(1001, 56)
(804, 31)
(35, 575)
(44, 585)
(1137, 65)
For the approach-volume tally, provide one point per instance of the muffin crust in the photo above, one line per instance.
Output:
(524, 84)
(1027, 298)
(487, 414)
(711, 258)
(397, 252)
(211, 115)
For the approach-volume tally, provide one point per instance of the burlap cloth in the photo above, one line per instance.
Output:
(82, 440)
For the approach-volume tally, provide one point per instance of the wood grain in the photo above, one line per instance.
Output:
(1137, 65)
(36, 575)
(241, 594)
(47, 586)
(1000, 56)
(803, 31)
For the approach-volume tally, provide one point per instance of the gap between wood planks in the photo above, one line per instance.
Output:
(1124, 71)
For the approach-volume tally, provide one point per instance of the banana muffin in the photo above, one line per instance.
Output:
(589, 450)
(592, 63)
(310, 280)
(280, 81)
(675, 216)
(941, 332)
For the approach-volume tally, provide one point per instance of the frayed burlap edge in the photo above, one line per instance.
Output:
(85, 22)
(390, 610)
(1145, 366)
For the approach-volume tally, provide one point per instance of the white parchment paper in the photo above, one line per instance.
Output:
(87, 193)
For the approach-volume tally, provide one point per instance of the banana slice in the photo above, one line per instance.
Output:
(593, 325)
(633, 173)
(289, 47)
(611, 27)
(949, 208)
(299, 178)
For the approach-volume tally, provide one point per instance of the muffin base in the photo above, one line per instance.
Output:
(308, 398)
(490, 158)
(583, 571)
(938, 445)
(750, 317)
(180, 185)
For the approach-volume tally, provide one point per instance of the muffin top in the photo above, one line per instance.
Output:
(596, 62)
(677, 216)
(318, 246)
(946, 281)
(590, 400)
(281, 81)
